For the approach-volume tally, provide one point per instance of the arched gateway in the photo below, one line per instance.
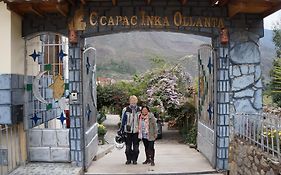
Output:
(233, 69)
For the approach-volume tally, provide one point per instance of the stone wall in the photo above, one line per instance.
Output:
(49, 145)
(245, 73)
(246, 159)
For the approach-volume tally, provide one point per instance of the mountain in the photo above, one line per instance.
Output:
(122, 55)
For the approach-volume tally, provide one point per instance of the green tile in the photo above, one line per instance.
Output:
(49, 106)
(48, 67)
(66, 86)
(28, 87)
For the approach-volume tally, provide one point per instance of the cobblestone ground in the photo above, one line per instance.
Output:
(47, 169)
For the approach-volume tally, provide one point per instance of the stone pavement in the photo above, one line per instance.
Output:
(171, 158)
(47, 169)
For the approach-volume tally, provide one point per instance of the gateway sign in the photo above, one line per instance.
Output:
(156, 21)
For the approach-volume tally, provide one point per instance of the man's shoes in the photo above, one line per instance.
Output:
(128, 162)
(146, 162)
(135, 162)
(152, 163)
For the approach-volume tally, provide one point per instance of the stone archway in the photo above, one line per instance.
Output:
(238, 84)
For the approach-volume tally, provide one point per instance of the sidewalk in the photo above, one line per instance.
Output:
(171, 158)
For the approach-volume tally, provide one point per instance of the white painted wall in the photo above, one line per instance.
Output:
(11, 42)
(5, 39)
(17, 45)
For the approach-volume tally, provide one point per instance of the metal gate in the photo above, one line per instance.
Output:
(46, 80)
(46, 98)
(89, 118)
(206, 103)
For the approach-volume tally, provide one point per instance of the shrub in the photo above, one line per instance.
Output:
(101, 130)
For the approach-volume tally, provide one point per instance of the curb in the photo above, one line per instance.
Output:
(180, 173)
(103, 152)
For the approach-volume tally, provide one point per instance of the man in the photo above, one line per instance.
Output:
(129, 125)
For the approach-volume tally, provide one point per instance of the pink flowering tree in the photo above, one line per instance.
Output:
(169, 89)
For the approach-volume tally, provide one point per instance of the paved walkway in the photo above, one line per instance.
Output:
(171, 158)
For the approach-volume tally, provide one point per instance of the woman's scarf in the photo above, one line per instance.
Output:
(146, 121)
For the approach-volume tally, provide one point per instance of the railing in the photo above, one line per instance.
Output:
(262, 130)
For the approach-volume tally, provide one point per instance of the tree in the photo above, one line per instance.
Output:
(112, 97)
(275, 84)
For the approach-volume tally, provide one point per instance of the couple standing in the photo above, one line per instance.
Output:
(138, 124)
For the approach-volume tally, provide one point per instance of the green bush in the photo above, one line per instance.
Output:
(101, 130)
(276, 98)
(189, 135)
(111, 97)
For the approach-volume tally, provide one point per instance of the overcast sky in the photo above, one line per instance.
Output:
(270, 20)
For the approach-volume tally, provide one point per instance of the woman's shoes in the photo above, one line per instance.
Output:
(146, 162)
(149, 161)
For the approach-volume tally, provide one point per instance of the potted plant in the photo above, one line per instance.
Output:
(101, 133)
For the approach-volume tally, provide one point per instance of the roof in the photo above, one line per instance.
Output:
(40, 7)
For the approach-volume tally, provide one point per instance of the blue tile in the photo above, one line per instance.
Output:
(5, 81)
(29, 109)
(49, 115)
(5, 97)
(71, 75)
(30, 79)
(21, 81)
(40, 61)
(5, 114)
(14, 81)
(226, 164)
(220, 164)
(18, 96)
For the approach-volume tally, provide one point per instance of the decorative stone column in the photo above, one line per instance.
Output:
(245, 73)
(222, 106)
(75, 88)
(245, 80)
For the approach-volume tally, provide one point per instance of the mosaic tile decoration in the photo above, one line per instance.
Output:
(49, 57)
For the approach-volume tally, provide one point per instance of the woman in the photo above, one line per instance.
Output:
(148, 133)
